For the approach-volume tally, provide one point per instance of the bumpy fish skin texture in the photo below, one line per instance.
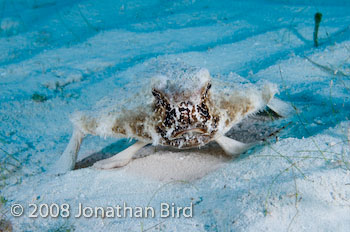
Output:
(185, 121)
(188, 109)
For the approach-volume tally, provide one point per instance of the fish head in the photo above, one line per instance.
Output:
(184, 110)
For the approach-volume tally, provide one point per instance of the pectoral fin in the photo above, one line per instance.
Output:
(121, 159)
(280, 107)
(232, 147)
(68, 158)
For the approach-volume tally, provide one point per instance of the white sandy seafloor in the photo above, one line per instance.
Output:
(73, 53)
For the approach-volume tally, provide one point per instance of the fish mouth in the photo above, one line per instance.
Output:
(193, 131)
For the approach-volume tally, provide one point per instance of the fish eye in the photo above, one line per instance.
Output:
(203, 110)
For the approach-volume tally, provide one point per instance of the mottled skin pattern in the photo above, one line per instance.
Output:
(184, 114)
(180, 123)
(185, 124)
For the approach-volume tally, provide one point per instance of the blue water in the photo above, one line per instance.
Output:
(73, 53)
